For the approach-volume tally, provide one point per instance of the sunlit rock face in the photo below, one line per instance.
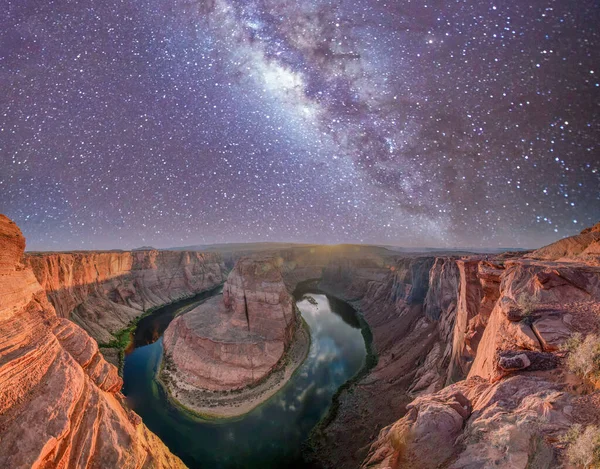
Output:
(60, 404)
(583, 247)
(104, 291)
(512, 318)
(235, 340)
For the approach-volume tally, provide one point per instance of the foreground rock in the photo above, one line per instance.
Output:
(60, 404)
(235, 342)
(477, 424)
(514, 327)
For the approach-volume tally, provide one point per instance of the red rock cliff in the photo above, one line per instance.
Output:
(103, 291)
(60, 405)
(233, 341)
(511, 317)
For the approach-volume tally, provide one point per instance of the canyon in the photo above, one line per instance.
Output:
(105, 292)
(467, 367)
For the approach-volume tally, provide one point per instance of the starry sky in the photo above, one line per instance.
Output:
(412, 123)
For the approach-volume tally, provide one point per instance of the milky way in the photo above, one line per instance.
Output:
(412, 123)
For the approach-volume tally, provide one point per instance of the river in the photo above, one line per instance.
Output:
(270, 436)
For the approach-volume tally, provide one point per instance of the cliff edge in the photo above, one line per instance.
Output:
(522, 384)
(60, 404)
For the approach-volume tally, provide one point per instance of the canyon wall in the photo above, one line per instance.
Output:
(513, 318)
(389, 291)
(470, 353)
(470, 367)
(60, 404)
(104, 291)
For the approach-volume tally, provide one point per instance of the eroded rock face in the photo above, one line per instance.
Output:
(233, 341)
(475, 423)
(389, 292)
(60, 404)
(582, 247)
(513, 316)
(538, 306)
(104, 291)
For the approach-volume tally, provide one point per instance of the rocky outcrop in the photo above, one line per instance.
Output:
(104, 291)
(513, 318)
(60, 404)
(478, 291)
(540, 306)
(582, 247)
(235, 341)
(475, 423)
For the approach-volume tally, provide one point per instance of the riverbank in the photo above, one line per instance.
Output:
(230, 404)
(115, 350)
(313, 446)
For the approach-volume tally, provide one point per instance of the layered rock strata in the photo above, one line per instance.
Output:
(513, 319)
(104, 291)
(60, 404)
(235, 341)
(471, 368)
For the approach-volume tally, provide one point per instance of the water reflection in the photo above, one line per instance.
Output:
(271, 435)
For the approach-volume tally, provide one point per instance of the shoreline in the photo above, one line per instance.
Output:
(371, 359)
(114, 351)
(227, 405)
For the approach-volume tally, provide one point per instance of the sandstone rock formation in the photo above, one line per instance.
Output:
(471, 368)
(60, 404)
(513, 318)
(583, 247)
(234, 341)
(474, 423)
(104, 291)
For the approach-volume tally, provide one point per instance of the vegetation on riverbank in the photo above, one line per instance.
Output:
(124, 337)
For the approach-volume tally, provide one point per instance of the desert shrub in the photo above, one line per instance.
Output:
(584, 355)
(527, 304)
(584, 450)
(572, 434)
(400, 439)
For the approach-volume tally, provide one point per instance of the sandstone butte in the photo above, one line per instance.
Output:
(236, 340)
(60, 405)
(470, 370)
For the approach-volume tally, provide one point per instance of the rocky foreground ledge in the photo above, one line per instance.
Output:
(60, 405)
(233, 352)
(525, 335)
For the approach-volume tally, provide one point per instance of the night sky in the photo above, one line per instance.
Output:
(415, 123)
